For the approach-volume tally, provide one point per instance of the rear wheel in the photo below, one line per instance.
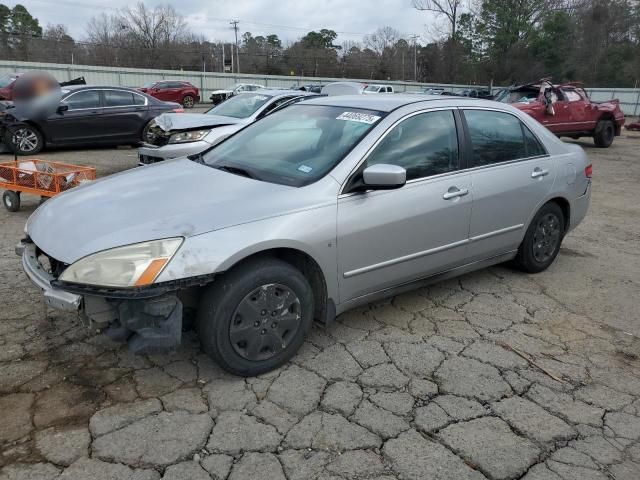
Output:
(256, 317)
(11, 200)
(542, 241)
(604, 134)
(188, 101)
(24, 139)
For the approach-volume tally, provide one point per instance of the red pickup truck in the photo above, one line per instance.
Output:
(567, 111)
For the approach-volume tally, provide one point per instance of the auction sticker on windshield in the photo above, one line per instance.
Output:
(359, 117)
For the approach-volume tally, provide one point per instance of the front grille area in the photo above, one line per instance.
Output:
(149, 160)
(50, 265)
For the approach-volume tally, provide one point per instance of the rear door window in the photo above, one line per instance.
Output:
(498, 137)
(118, 98)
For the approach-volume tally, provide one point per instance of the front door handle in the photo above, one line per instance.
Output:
(454, 192)
(539, 172)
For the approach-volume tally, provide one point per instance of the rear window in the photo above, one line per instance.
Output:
(6, 81)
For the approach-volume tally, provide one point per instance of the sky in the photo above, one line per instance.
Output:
(289, 19)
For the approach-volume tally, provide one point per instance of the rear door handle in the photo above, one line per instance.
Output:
(539, 172)
(454, 192)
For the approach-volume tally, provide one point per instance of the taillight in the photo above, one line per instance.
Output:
(588, 171)
(178, 110)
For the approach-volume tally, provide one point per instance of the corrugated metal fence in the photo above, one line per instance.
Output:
(209, 81)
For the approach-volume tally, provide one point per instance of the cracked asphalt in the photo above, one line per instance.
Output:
(496, 375)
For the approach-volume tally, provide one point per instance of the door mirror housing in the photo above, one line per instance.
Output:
(384, 177)
(63, 107)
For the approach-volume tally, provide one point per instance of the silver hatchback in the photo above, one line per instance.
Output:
(313, 210)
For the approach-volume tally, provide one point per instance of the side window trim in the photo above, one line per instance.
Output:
(357, 169)
(469, 146)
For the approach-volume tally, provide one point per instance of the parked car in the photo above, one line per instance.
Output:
(178, 135)
(84, 115)
(369, 89)
(434, 91)
(180, 92)
(6, 86)
(475, 93)
(343, 88)
(304, 214)
(313, 88)
(218, 96)
(567, 110)
(7, 83)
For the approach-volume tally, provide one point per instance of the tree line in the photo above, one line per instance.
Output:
(471, 42)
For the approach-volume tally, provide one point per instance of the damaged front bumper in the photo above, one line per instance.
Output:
(54, 297)
(150, 322)
(150, 154)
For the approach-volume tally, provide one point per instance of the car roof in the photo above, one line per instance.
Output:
(281, 93)
(75, 88)
(388, 103)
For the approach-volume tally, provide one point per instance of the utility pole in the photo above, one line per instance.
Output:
(415, 56)
(234, 24)
(223, 65)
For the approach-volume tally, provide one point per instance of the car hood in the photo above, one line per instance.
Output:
(170, 199)
(217, 92)
(189, 121)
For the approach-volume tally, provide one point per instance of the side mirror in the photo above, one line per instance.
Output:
(384, 177)
(63, 107)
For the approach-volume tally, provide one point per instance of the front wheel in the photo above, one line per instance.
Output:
(256, 316)
(24, 139)
(604, 134)
(542, 241)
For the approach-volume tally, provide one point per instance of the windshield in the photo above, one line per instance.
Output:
(6, 81)
(149, 85)
(240, 106)
(295, 146)
(372, 88)
(517, 96)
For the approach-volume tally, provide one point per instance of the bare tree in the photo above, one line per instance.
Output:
(382, 39)
(451, 9)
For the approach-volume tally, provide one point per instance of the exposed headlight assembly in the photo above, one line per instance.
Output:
(185, 137)
(134, 265)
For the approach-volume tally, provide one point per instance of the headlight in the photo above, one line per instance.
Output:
(185, 137)
(133, 265)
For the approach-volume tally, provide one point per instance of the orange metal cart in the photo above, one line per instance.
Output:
(39, 177)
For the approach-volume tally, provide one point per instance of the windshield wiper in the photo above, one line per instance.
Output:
(236, 171)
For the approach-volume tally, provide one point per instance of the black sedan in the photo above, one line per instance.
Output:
(84, 115)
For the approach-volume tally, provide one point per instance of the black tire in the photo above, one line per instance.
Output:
(542, 241)
(188, 101)
(604, 134)
(24, 139)
(146, 136)
(249, 287)
(11, 200)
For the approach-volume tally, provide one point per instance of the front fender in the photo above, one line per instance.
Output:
(312, 232)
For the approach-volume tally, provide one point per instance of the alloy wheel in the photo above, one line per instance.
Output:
(546, 237)
(25, 139)
(265, 322)
(187, 102)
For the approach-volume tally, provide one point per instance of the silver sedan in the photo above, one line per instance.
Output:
(325, 205)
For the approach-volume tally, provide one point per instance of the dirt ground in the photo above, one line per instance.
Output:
(496, 375)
